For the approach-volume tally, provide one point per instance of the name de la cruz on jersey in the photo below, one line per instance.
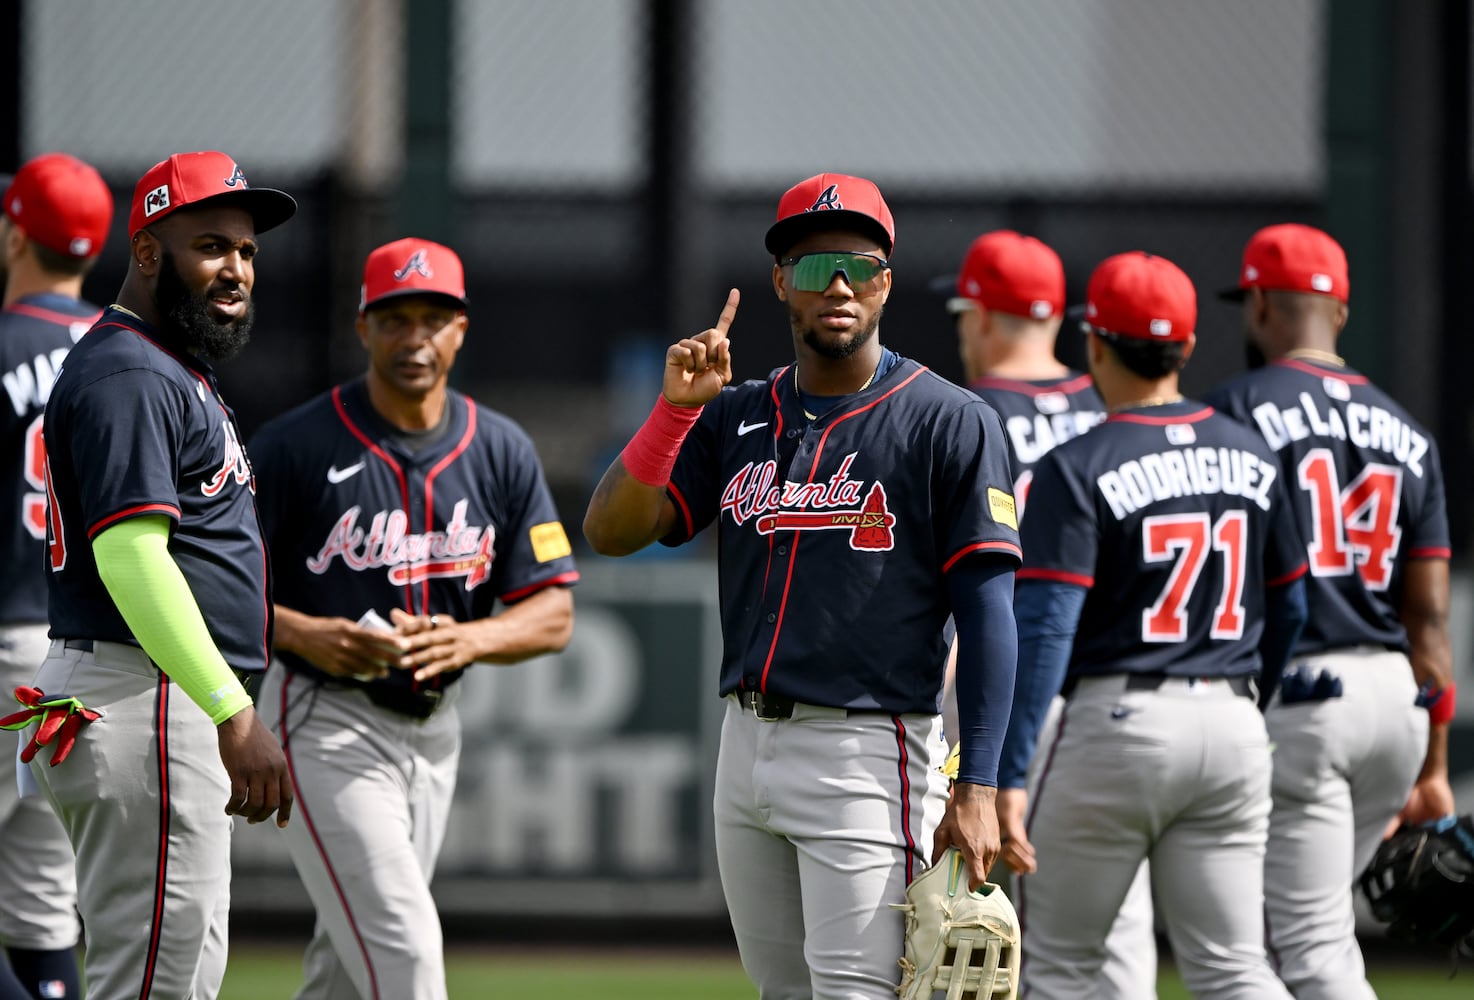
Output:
(459, 550)
(1182, 472)
(1364, 425)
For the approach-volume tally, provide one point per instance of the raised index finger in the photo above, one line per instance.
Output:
(729, 312)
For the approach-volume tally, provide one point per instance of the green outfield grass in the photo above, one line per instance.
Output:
(259, 973)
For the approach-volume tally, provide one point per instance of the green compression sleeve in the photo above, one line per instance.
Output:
(151, 593)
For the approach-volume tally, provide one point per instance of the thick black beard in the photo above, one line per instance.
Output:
(835, 350)
(187, 319)
(1253, 356)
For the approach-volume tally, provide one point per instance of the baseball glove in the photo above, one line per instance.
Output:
(965, 943)
(1421, 882)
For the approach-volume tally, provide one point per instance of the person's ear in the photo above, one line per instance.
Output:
(145, 250)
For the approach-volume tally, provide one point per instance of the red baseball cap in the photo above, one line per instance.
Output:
(1007, 272)
(412, 267)
(62, 203)
(831, 201)
(186, 180)
(1292, 258)
(1143, 296)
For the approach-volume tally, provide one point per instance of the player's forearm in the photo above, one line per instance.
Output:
(542, 623)
(152, 595)
(1048, 613)
(624, 514)
(1424, 614)
(292, 630)
(981, 593)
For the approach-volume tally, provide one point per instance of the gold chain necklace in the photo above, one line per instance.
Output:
(800, 393)
(1311, 354)
(1137, 404)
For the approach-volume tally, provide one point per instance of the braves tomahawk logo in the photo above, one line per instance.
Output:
(418, 263)
(828, 199)
(460, 549)
(832, 505)
(237, 178)
(233, 466)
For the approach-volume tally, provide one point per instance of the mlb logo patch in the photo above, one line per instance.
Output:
(156, 200)
(1181, 434)
(1160, 327)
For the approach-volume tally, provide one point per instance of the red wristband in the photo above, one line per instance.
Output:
(651, 453)
(1441, 708)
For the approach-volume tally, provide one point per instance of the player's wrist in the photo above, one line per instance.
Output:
(651, 454)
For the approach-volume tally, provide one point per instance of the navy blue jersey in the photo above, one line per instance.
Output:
(836, 535)
(134, 429)
(1039, 414)
(355, 519)
(1175, 519)
(36, 332)
(1366, 485)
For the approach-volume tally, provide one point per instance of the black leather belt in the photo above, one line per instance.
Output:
(767, 707)
(85, 645)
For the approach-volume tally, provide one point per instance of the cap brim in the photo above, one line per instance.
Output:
(428, 293)
(786, 232)
(1232, 294)
(269, 207)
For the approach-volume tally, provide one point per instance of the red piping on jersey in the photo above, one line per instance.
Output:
(682, 507)
(1008, 547)
(161, 866)
(1289, 577)
(561, 580)
(1430, 552)
(1183, 418)
(777, 436)
(813, 468)
(382, 455)
(147, 508)
(1056, 575)
(306, 817)
(51, 315)
(902, 761)
(1068, 386)
(1309, 369)
(435, 470)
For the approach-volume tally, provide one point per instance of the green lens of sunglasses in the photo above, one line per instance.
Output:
(814, 271)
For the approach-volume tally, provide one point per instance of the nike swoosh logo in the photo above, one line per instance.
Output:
(744, 427)
(337, 475)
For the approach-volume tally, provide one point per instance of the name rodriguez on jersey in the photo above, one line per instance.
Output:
(1183, 472)
(1364, 425)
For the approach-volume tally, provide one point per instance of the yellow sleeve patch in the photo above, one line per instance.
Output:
(549, 541)
(1000, 505)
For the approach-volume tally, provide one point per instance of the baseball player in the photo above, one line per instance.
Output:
(859, 499)
(394, 500)
(1367, 489)
(1161, 573)
(57, 214)
(158, 592)
(1008, 307)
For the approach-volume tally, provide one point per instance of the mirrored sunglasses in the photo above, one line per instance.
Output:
(812, 272)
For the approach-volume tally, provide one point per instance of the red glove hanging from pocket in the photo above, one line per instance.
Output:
(62, 718)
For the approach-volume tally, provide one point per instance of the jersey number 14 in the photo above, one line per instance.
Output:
(1352, 529)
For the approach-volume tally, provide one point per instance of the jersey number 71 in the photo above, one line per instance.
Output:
(1184, 539)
